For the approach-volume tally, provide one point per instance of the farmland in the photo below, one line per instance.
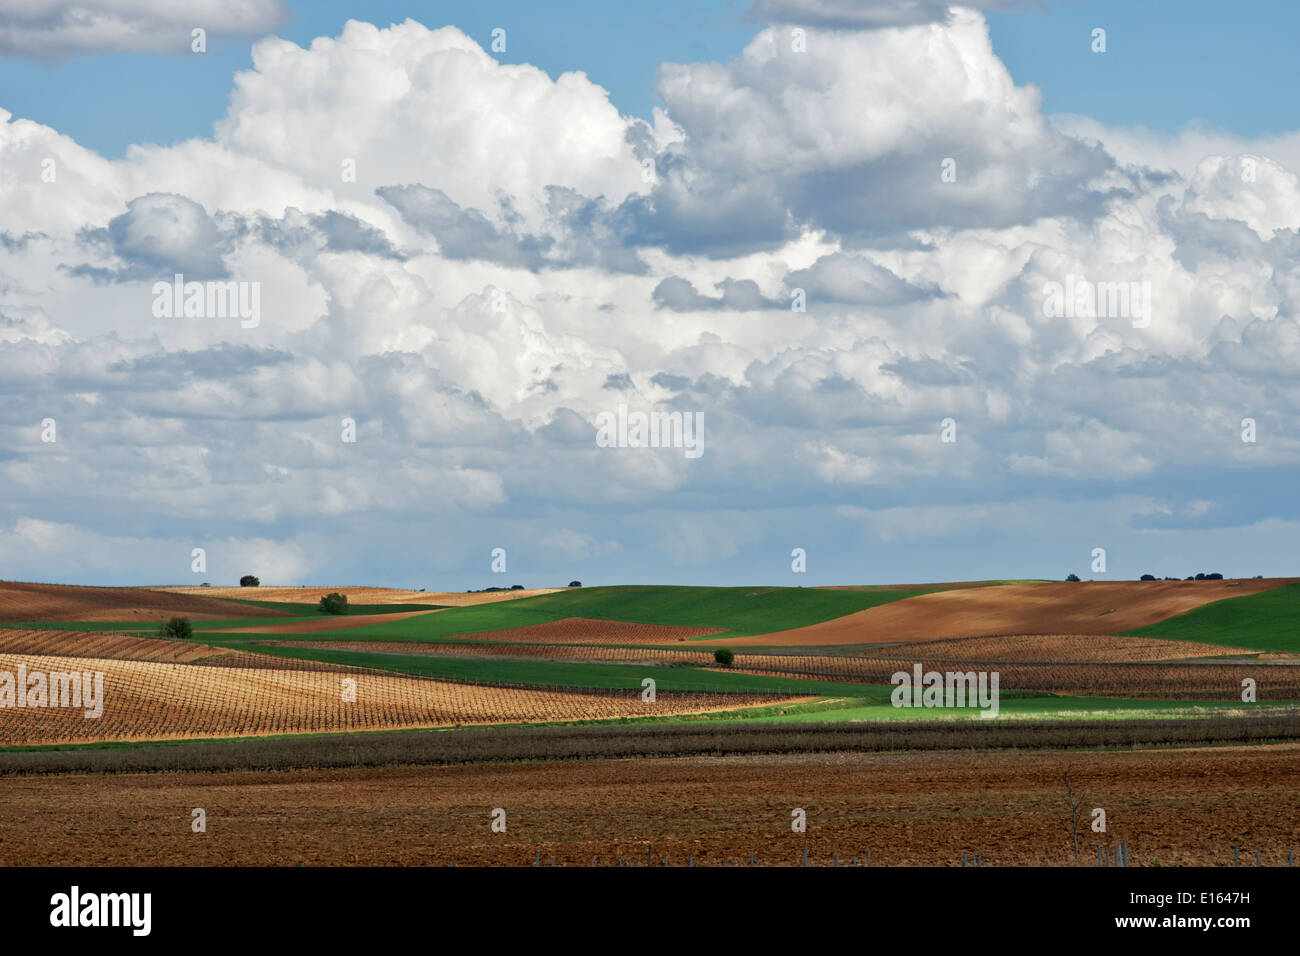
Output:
(907, 808)
(438, 681)
(149, 700)
(1268, 621)
(21, 601)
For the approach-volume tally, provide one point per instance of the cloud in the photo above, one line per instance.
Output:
(55, 29)
(500, 272)
(871, 14)
(935, 135)
(407, 105)
(160, 234)
(580, 231)
(738, 295)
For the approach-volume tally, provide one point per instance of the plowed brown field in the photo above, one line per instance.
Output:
(20, 601)
(1086, 607)
(1177, 807)
(362, 595)
(144, 701)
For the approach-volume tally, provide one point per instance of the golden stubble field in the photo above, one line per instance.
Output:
(147, 700)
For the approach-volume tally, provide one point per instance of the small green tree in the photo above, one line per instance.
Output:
(1071, 577)
(334, 603)
(177, 629)
(724, 656)
(249, 581)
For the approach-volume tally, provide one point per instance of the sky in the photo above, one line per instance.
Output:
(836, 235)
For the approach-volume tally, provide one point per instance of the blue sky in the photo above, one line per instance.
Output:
(472, 259)
(1167, 65)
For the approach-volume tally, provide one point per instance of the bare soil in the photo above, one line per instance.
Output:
(1177, 807)
(21, 601)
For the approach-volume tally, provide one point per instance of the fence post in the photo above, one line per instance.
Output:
(690, 860)
(538, 860)
(868, 858)
(1234, 857)
(963, 860)
(1257, 858)
(649, 853)
(751, 857)
(837, 859)
(805, 856)
(1101, 860)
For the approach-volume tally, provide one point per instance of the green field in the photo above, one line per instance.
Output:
(739, 612)
(545, 673)
(1268, 621)
(313, 609)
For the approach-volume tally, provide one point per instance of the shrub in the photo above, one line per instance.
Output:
(724, 656)
(575, 584)
(249, 581)
(177, 629)
(516, 587)
(1071, 577)
(1147, 577)
(334, 603)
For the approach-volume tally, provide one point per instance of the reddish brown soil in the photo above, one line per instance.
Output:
(1178, 807)
(331, 623)
(584, 630)
(1087, 607)
(21, 601)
